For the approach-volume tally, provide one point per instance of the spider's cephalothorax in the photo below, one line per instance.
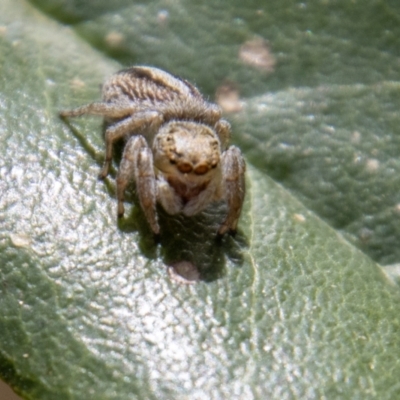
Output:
(176, 145)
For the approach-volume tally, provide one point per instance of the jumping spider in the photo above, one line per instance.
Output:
(189, 164)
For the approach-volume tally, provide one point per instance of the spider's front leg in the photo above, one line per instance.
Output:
(233, 171)
(223, 129)
(140, 121)
(137, 161)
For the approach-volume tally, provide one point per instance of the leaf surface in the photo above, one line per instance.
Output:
(287, 309)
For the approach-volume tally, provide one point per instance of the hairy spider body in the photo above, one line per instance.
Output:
(176, 145)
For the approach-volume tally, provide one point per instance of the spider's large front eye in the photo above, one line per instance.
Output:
(201, 169)
(185, 167)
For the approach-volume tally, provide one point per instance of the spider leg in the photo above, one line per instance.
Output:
(233, 169)
(137, 161)
(167, 196)
(107, 110)
(223, 129)
(127, 127)
(211, 114)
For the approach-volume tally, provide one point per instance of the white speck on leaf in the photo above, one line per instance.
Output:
(77, 84)
(114, 39)
(299, 217)
(184, 272)
(20, 240)
(372, 165)
(257, 53)
(162, 16)
(356, 137)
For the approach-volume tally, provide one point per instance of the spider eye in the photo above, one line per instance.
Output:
(201, 169)
(172, 161)
(185, 167)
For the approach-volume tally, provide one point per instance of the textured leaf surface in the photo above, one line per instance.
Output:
(287, 309)
(314, 42)
(337, 149)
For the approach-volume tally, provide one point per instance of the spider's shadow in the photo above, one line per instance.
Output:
(189, 245)
(188, 241)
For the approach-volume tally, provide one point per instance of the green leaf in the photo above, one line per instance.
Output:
(337, 149)
(287, 309)
(314, 42)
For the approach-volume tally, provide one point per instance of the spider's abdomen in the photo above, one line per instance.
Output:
(148, 85)
(147, 88)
